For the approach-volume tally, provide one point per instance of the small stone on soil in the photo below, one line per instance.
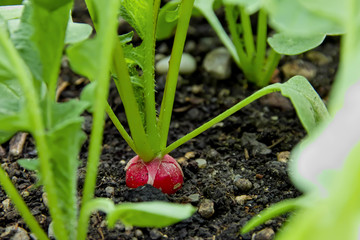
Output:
(218, 63)
(242, 199)
(264, 234)
(109, 191)
(187, 64)
(206, 209)
(6, 204)
(45, 199)
(299, 67)
(16, 144)
(243, 184)
(194, 197)
(201, 162)
(155, 234)
(2, 152)
(318, 58)
(283, 156)
(17, 233)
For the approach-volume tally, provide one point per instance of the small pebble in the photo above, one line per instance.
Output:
(201, 162)
(264, 234)
(187, 64)
(25, 194)
(218, 63)
(243, 184)
(6, 204)
(197, 89)
(318, 58)
(194, 197)
(122, 162)
(18, 233)
(182, 161)
(283, 156)
(45, 199)
(109, 191)
(189, 155)
(213, 154)
(138, 233)
(190, 46)
(299, 67)
(206, 209)
(51, 233)
(155, 234)
(16, 144)
(2, 152)
(242, 199)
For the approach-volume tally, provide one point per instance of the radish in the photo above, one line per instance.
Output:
(163, 173)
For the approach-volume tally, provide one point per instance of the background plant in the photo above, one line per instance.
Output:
(30, 61)
(149, 131)
(251, 54)
(329, 182)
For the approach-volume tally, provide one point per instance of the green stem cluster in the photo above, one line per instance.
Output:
(249, 55)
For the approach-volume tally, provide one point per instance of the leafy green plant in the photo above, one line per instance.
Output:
(329, 179)
(250, 53)
(149, 131)
(31, 52)
(30, 58)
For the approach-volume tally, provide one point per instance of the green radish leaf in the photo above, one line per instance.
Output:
(292, 17)
(52, 5)
(87, 96)
(65, 139)
(10, 2)
(149, 214)
(308, 105)
(167, 20)
(11, 12)
(134, 12)
(273, 211)
(250, 6)
(126, 38)
(21, 32)
(293, 45)
(13, 116)
(77, 32)
(49, 40)
(29, 164)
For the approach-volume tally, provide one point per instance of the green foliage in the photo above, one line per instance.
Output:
(167, 20)
(294, 18)
(153, 214)
(290, 45)
(308, 105)
(135, 13)
(248, 53)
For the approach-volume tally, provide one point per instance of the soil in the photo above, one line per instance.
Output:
(246, 155)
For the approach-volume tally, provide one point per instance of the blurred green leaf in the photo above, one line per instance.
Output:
(77, 32)
(134, 12)
(167, 20)
(29, 164)
(308, 105)
(293, 45)
(11, 12)
(292, 17)
(150, 214)
(250, 6)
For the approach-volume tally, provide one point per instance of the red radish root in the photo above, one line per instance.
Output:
(164, 174)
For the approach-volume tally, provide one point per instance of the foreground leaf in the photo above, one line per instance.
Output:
(149, 214)
(294, 45)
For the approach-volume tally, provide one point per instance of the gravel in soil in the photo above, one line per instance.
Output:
(232, 171)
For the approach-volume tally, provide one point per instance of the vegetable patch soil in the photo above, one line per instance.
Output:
(231, 172)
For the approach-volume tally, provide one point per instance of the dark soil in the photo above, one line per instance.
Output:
(241, 153)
